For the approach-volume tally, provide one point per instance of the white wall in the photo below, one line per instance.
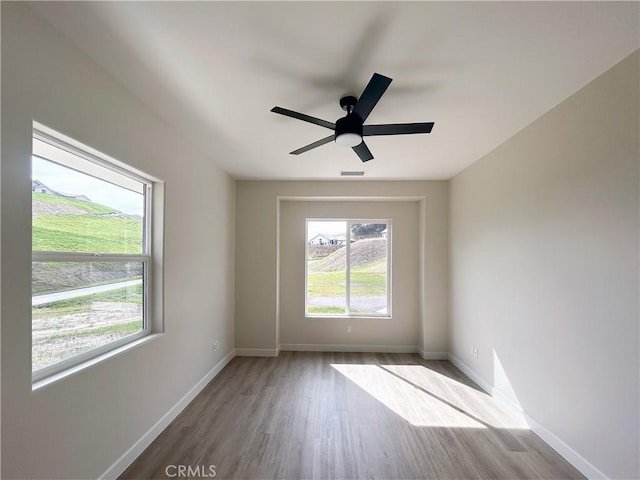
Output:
(544, 271)
(79, 426)
(403, 329)
(256, 267)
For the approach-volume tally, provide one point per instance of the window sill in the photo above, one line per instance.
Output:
(55, 377)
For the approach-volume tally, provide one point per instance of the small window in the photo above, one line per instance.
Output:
(91, 253)
(349, 274)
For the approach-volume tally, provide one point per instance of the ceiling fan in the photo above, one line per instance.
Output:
(349, 130)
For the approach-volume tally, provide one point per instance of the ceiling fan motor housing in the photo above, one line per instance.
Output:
(351, 123)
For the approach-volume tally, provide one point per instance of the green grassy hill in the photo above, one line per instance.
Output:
(368, 274)
(66, 224)
(71, 225)
(70, 203)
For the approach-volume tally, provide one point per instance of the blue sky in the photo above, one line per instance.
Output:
(68, 181)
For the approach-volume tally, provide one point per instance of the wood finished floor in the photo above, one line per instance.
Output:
(307, 415)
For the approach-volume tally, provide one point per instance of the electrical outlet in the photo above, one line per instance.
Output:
(216, 345)
(474, 351)
(348, 328)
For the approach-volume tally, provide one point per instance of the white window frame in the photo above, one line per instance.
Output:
(347, 314)
(58, 148)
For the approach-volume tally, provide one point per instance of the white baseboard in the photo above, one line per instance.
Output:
(127, 458)
(507, 402)
(314, 347)
(482, 383)
(568, 453)
(257, 352)
(487, 387)
(564, 450)
(433, 355)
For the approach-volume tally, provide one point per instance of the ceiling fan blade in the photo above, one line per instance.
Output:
(396, 129)
(304, 118)
(313, 145)
(371, 94)
(363, 152)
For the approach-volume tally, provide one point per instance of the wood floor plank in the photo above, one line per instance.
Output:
(307, 415)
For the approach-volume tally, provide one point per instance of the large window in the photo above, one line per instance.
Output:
(348, 268)
(91, 242)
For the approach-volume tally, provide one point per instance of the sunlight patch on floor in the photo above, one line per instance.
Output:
(413, 404)
(475, 403)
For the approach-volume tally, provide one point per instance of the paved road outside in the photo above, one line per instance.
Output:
(370, 304)
(81, 292)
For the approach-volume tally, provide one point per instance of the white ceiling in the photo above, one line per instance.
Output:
(480, 70)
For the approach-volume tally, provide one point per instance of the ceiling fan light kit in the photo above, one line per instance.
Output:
(350, 129)
(348, 139)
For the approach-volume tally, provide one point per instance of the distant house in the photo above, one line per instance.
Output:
(340, 239)
(383, 233)
(328, 239)
(39, 187)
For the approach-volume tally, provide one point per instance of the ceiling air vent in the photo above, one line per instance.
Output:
(346, 173)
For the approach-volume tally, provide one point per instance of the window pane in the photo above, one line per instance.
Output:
(80, 306)
(326, 267)
(76, 212)
(368, 268)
